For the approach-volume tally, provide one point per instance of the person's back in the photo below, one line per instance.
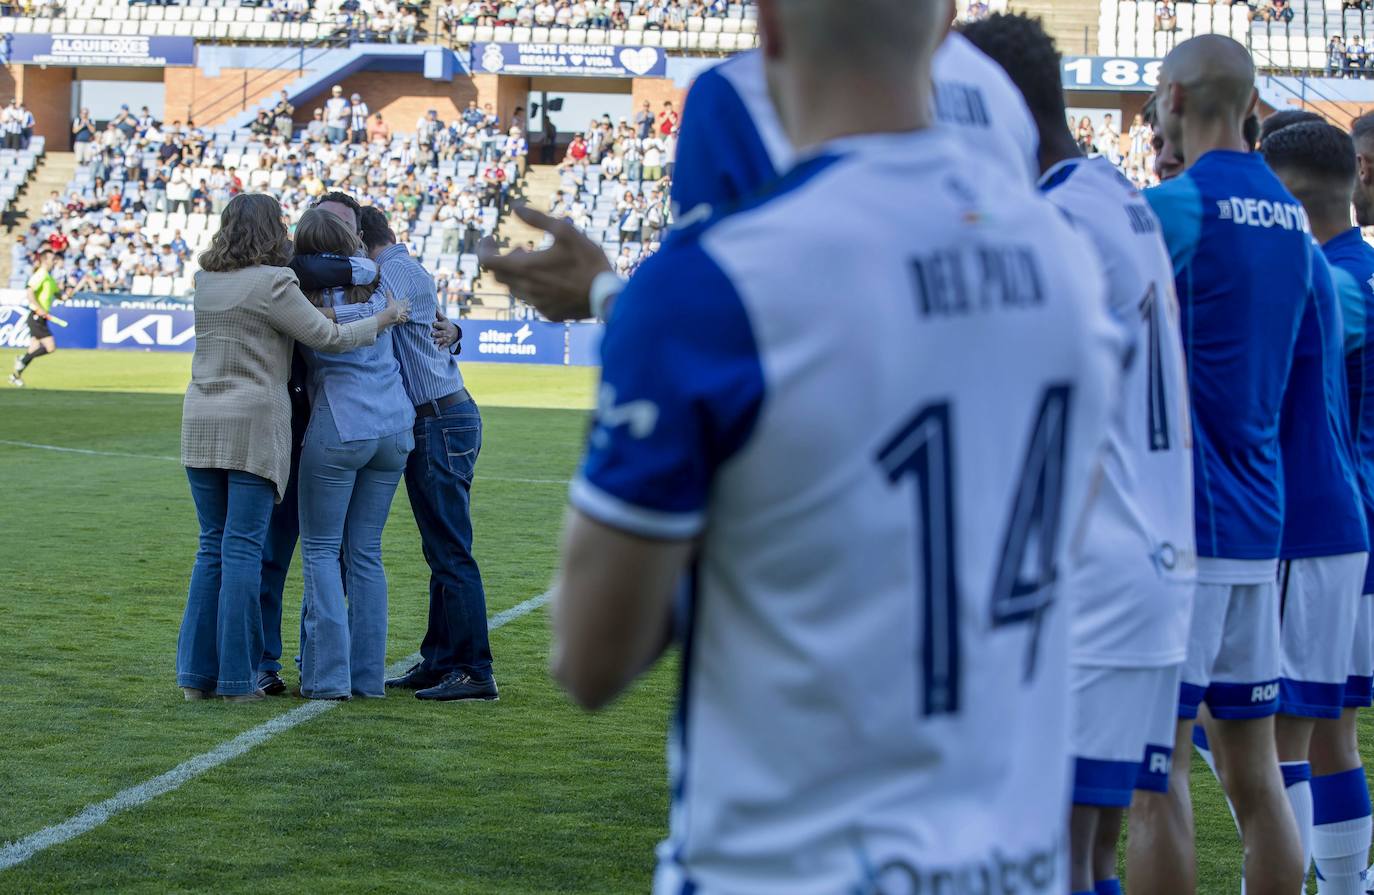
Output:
(1240, 319)
(1351, 260)
(881, 489)
(1141, 537)
(731, 141)
(1323, 507)
(362, 387)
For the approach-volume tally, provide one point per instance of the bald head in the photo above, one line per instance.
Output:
(1217, 73)
(820, 52)
(1206, 91)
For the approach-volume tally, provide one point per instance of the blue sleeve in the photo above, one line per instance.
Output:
(370, 308)
(720, 155)
(1353, 297)
(1178, 205)
(681, 388)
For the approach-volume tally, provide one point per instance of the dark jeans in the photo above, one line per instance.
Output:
(221, 633)
(284, 529)
(438, 480)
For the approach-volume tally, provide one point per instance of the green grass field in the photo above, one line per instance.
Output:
(520, 796)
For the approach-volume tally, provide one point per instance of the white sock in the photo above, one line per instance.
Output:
(1341, 832)
(1297, 784)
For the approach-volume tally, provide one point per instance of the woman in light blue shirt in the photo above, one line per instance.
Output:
(355, 450)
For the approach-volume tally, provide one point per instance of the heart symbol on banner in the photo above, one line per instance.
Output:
(638, 61)
(576, 58)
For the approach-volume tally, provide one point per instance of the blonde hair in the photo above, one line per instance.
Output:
(320, 233)
(251, 233)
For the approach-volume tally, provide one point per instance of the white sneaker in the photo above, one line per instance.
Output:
(16, 381)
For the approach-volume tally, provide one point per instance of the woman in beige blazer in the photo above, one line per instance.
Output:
(236, 433)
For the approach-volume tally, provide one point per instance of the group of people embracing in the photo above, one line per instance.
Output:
(323, 372)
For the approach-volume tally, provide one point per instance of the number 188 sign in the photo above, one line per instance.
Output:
(1109, 73)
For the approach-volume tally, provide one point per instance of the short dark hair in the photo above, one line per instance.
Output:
(1284, 118)
(374, 229)
(1313, 148)
(1019, 44)
(342, 199)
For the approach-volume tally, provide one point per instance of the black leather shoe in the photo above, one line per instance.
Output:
(270, 682)
(414, 679)
(458, 686)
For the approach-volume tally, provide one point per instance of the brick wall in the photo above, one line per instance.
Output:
(402, 97)
(47, 92)
(210, 101)
(656, 91)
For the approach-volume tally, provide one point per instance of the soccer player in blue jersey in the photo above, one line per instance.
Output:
(873, 679)
(1243, 269)
(1325, 543)
(1319, 163)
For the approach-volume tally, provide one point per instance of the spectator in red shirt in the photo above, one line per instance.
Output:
(667, 119)
(577, 152)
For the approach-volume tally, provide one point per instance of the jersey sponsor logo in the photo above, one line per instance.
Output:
(1262, 213)
(1034, 872)
(1265, 692)
(963, 281)
(639, 418)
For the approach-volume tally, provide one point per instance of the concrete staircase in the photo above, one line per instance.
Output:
(539, 183)
(55, 170)
(1072, 23)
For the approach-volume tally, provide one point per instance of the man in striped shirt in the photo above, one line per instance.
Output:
(456, 653)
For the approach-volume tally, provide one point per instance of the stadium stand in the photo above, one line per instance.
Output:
(715, 26)
(140, 208)
(1282, 34)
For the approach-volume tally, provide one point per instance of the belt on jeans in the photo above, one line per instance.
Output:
(439, 405)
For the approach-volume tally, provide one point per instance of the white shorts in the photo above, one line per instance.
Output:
(1319, 603)
(1123, 731)
(1359, 685)
(1233, 652)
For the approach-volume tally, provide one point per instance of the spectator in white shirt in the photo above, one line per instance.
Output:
(336, 115)
(653, 158)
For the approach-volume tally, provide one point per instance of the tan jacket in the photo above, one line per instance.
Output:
(237, 414)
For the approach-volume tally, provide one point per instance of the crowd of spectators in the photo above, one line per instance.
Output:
(616, 179)
(147, 194)
(659, 15)
(1349, 59)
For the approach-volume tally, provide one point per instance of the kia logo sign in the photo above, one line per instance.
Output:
(149, 330)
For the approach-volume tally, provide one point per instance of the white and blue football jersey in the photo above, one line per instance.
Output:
(1132, 581)
(731, 142)
(878, 418)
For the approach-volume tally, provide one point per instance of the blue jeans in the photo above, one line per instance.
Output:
(438, 480)
(221, 631)
(345, 497)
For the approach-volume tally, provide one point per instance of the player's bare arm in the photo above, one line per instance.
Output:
(612, 608)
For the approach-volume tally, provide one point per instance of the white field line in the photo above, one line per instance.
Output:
(14, 853)
(71, 450)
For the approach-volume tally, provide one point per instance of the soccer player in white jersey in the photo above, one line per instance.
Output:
(1132, 584)
(731, 141)
(873, 693)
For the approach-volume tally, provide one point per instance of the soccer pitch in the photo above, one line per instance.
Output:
(525, 795)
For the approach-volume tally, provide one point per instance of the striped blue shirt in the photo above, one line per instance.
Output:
(428, 373)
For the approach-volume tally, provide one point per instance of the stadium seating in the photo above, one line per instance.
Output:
(228, 21)
(1127, 28)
